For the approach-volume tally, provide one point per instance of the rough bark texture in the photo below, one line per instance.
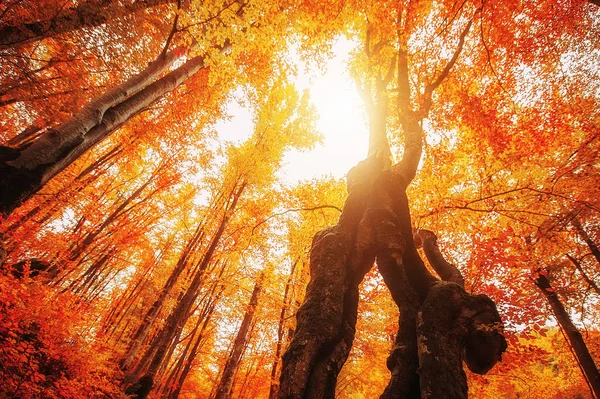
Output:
(584, 357)
(326, 320)
(88, 14)
(455, 325)
(442, 267)
(452, 326)
(375, 223)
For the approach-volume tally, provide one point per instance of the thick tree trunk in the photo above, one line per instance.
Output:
(88, 14)
(380, 219)
(239, 344)
(453, 325)
(375, 222)
(403, 360)
(576, 341)
(24, 171)
(326, 320)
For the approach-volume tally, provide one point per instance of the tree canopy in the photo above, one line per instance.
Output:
(147, 252)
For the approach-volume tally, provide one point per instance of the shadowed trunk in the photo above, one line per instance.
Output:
(588, 240)
(375, 223)
(274, 388)
(156, 355)
(326, 320)
(144, 328)
(585, 359)
(239, 344)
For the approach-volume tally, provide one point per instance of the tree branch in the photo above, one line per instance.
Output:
(446, 270)
(435, 84)
(314, 208)
(587, 279)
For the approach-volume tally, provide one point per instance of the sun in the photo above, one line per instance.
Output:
(341, 119)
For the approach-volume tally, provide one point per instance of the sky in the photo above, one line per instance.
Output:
(341, 119)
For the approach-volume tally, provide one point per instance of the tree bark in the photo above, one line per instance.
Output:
(156, 354)
(174, 394)
(339, 258)
(280, 334)
(375, 222)
(576, 341)
(453, 325)
(24, 171)
(239, 344)
(587, 278)
(144, 328)
(442, 267)
(89, 14)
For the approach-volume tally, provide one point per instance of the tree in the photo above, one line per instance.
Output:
(584, 358)
(124, 272)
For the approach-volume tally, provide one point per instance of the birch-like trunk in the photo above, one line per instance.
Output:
(23, 172)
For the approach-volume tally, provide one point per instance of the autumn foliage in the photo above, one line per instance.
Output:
(149, 232)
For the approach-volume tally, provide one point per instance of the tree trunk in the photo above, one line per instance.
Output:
(24, 171)
(89, 14)
(239, 344)
(587, 278)
(174, 394)
(155, 355)
(576, 341)
(339, 258)
(280, 332)
(376, 221)
(152, 313)
(588, 240)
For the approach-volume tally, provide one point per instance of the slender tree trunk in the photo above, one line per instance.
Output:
(588, 240)
(239, 344)
(155, 355)
(197, 342)
(587, 278)
(280, 334)
(88, 14)
(576, 341)
(152, 313)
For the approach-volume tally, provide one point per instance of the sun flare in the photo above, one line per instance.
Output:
(341, 119)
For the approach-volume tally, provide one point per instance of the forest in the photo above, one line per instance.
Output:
(293, 199)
